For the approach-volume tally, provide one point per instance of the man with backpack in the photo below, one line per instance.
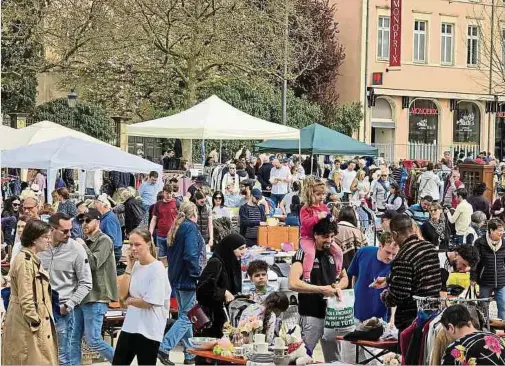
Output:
(164, 214)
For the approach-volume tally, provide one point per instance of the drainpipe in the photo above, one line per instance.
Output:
(490, 86)
(365, 105)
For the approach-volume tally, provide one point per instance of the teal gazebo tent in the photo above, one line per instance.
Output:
(319, 140)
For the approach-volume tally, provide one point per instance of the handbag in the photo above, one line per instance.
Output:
(198, 317)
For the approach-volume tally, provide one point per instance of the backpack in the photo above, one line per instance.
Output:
(236, 308)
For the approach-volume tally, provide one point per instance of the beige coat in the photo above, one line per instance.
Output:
(29, 334)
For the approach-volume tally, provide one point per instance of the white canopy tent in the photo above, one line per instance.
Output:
(7, 135)
(43, 131)
(213, 119)
(74, 153)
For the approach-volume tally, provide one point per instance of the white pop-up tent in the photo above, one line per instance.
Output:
(7, 135)
(213, 119)
(42, 131)
(74, 153)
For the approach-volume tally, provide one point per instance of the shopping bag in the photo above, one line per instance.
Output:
(340, 314)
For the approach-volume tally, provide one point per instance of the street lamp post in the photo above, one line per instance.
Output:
(72, 98)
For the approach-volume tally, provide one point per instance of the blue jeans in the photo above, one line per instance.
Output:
(277, 198)
(161, 243)
(64, 326)
(499, 295)
(182, 328)
(88, 320)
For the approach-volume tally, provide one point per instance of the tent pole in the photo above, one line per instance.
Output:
(220, 151)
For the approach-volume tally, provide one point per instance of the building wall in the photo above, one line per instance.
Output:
(430, 79)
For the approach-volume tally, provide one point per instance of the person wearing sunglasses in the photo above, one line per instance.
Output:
(10, 216)
(88, 317)
(437, 230)
(67, 263)
(218, 208)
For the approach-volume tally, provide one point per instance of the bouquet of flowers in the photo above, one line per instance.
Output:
(250, 325)
(392, 359)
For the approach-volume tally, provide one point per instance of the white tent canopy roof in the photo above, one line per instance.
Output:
(74, 153)
(7, 135)
(213, 119)
(42, 131)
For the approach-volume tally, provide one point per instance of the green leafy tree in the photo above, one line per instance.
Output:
(21, 54)
(344, 118)
(86, 118)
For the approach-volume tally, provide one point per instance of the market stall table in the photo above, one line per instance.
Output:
(209, 355)
(385, 346)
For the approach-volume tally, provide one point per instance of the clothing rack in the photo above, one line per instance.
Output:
(427, 304)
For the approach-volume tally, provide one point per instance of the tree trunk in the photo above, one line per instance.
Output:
(189, 101)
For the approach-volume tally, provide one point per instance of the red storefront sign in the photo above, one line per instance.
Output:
(395, 33)
(423, 111)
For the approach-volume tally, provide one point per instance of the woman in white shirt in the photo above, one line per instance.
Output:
(146, 291)
(218, 208)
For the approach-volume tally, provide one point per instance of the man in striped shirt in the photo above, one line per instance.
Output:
(414, 272)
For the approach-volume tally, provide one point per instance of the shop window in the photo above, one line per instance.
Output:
(423, 121)
(466, 123)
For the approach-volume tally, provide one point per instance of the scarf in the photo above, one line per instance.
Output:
(494, 245)
(439, 227)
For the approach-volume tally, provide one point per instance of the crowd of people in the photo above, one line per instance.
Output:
(67, 260)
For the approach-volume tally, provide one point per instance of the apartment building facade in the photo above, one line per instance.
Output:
(429, 73)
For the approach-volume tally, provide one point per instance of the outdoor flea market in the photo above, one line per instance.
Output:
(307, 248)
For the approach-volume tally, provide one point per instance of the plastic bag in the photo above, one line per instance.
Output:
(340, 314)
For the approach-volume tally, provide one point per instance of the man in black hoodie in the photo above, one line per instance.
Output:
(264, 176)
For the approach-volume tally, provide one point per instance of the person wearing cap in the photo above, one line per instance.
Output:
(196, 186)
(252, 214)
(109, 224)
(67, 263)
(88, 317)
(149, 189)
(280, 177)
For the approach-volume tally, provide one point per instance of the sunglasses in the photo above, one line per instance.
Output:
(65, 232)
(218, 198)
(87, 220)
(16, 204)
(434, 210)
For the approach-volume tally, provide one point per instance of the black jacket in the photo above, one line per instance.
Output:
(491, 268)
(264, 175)
(133, 214)
(430, 234)
(212, 285)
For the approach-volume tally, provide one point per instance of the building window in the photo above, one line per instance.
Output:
(423, 121)
(472, 54)
(467, 123)
(383, 39)
(446, 51)
(420, 41)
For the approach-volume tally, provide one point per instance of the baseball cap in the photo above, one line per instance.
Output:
(256, 193)
(92, 214)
